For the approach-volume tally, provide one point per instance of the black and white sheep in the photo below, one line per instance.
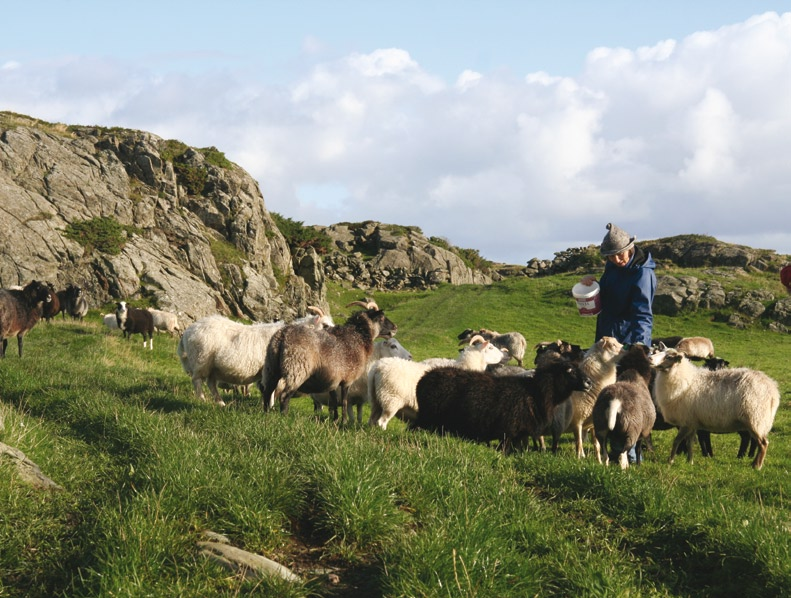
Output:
(312, 361)
(131, 321)
(482, 407)
(51, 308)
(720, 401)
(624, 412)
(20, 311)
(392, 383)
(358, 391)
(216, 349)
(513, 342)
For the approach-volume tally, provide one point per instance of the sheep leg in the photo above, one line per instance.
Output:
(601, 454)
(333, 404)
(684, 437)
(19, 343)
(2, 350)
(704, 440)
(623, 460)
(344, 388)
(211, 382)
(578, 441)
(596, 446)
(763, 444)
(746, 441)
(197, 384)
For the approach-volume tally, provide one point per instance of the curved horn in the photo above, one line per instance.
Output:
(316, 310)
(363, 304)
(477, 339)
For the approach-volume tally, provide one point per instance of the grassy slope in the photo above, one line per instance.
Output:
(146, 469)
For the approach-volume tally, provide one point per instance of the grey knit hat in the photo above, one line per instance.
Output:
(615, 241)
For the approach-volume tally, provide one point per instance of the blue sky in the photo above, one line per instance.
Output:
(516, 128)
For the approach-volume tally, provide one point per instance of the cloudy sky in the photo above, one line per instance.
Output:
(518, 128)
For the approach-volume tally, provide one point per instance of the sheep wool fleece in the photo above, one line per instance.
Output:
(627, 295)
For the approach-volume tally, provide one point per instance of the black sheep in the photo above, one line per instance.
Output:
(483, 407)
(20, 310)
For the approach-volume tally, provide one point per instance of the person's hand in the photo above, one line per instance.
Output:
(587, 280)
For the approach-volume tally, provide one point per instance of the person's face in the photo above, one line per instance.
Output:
(620, 259)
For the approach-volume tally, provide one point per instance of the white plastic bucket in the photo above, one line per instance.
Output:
(587, 298)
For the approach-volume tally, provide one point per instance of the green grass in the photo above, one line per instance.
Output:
(146, 469)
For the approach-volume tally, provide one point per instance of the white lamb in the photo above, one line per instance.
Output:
(358, 391)
(215, 349)
(599, 364)
(392, 382)
(110, 321)
(720, 401)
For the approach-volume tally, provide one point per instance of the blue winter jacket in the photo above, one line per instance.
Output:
(627, 294)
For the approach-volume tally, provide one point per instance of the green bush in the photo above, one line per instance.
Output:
(300, 236)
(105, 235)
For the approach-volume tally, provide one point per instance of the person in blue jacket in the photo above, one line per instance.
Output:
(627, 290)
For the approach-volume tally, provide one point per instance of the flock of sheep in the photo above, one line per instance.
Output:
(613, 394)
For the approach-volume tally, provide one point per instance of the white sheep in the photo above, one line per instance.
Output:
(392, 382)
(599, 364)
(215, 349)
(513, 342)
(720, 401)
(698, 347)
(110, 321)
(165, 321)
(358, 390)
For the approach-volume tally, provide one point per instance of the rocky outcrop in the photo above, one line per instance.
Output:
(196, 235)
(375, 256)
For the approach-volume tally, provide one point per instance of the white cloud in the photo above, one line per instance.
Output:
(515, 166)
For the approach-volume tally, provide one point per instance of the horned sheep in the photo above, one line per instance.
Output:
(312, 361)
(392, 383)
(20, 311)
(216, 349)
(482, 407)
(720, 401)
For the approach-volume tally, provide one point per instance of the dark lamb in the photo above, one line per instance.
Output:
(20, 310)
(624, 412)
(50, 309)
(482, 407)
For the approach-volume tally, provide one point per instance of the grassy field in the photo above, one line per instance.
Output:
(146, 470)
